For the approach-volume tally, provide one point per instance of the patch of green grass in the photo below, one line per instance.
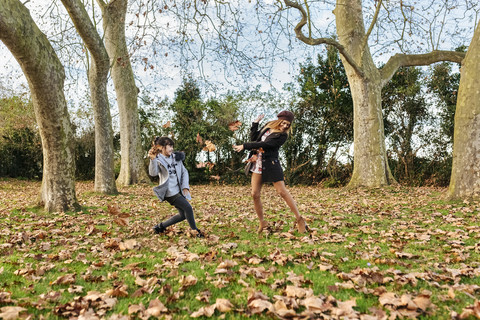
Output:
(403, 236)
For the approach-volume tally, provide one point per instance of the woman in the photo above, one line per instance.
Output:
(173, 183)
(265, 165)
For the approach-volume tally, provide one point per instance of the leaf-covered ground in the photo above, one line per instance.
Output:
(371, 254)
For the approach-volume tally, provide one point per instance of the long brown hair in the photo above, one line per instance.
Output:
(274, 126)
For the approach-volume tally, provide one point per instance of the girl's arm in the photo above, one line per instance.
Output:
(254, 132)
(272, 142)
(184, 177)
(153, 169)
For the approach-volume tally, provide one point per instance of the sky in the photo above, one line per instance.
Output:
(167, 47)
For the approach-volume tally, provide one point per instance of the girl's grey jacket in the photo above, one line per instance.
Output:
(158, 166)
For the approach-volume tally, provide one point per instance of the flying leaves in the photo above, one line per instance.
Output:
(234, 126)
(209, 146)
(199, 139)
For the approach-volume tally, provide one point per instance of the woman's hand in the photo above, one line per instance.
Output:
(259, 118)
(238, 148)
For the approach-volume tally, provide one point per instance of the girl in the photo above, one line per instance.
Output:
(173, 183)
(265, 165)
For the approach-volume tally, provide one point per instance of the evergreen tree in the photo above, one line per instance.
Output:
(405, 111)
(444, 86)
(323, 121)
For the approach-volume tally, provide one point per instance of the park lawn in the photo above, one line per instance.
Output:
(391, 253)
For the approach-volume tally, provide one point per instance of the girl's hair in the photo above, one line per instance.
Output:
(163, 141)
(274, 126)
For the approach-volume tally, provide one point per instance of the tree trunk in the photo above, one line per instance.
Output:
(97, 78)
(465, 178)
(366, 82)
(132, 168)
(45, 76)
(370, 167)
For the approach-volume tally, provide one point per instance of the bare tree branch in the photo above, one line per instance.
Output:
(408, 60)
(374, 20)
(316, 41)
(101, 3)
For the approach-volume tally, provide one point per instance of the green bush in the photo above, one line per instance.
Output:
(21, 154)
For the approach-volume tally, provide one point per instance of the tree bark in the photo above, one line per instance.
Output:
(132, 168)
(465, 178)
(97, 78)
(370, 167)
(45, 76)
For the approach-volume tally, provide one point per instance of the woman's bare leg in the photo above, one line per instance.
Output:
(285, 194)
(257, 202)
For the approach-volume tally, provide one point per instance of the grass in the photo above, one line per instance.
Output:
(363, 247)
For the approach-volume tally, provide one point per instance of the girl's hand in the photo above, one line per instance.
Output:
(186, 194)
(152, 153)
(259, 118)
(238, 148)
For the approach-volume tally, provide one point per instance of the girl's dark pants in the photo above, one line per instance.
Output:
(185, 211)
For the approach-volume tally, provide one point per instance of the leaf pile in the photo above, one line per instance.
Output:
(395, 253)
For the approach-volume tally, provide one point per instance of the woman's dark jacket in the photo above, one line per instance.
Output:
(271, 169)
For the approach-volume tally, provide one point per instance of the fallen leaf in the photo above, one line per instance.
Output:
(223, 305)
(207, 311)
(188, 281)
(11, 312)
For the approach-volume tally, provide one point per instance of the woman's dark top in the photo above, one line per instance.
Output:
(271, 169)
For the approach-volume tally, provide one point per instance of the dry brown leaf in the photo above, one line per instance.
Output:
(255, 260)
(207, 311)
(406, 301)
(121, 222)
(389, 298)
(345, 308)
(260, 305)
(155, 308)
(135, 308)
(292, 291)
(451, 293)
(199, 139)
(69, 278)
(223, 305)
(11, 312)
(209, 146)
(423, 302)
(141, 282)
(188, 281)
(325, 267)
(313, 303)
(227, 264)
(119, 292)
(75, 289)
(281, 309)
(204, 296)
(88, 315)
(129, 244)
(234, 126)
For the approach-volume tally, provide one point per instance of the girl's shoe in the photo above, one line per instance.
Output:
(159, 228)
(262, 226)
(200, 234)
(301, 225)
